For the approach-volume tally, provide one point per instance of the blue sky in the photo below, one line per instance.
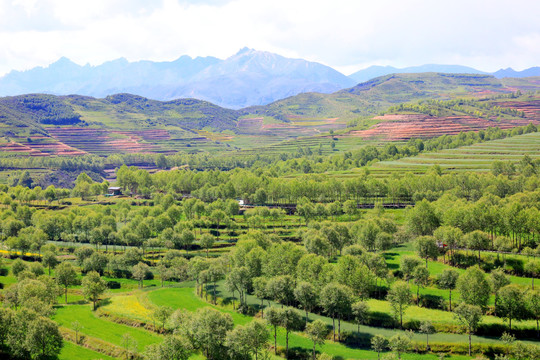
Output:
(347, 35)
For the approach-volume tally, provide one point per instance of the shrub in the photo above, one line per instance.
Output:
(113, 284)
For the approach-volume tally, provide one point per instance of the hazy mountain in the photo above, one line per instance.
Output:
(247, 78)
(376, 71)
(509, 72)
(253, 77)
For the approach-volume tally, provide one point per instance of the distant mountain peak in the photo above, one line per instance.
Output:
(245, 50)
(249, 77)
(63, 61)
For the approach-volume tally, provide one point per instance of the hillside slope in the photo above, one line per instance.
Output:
(42, 125)
(372, 97)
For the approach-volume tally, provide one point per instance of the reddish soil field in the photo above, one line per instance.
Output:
(530, 108)
(101, 140)
(41, 146)
(13, 147)
(403, 127)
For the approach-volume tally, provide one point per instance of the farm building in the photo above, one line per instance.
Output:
(114, 191)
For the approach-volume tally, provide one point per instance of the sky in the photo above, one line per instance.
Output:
(347, 35)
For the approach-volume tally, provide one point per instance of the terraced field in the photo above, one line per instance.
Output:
(477, 157)
(106, 142)
(37, 146)
(406, 126)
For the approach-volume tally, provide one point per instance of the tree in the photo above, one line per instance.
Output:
(273, 316)
(163, 271)
(427, 328)
(512, 303)
(171, 348)
(95, 262)
(317, 332)
(18, 266)
(162, 314)
(407, 265)
(207, 241)
(187, 237)
(449, 236)
(247, 340)
(93, 287)
(237, 343)
(281, 289)
(238, 280)
(290, 320)
(447, 281)
(360, 311)
(259, 290)
(77, 327)
(477, 240)
(469, 316)
(399, 297)
(350, 208)
(66, 276)
(129, 344)
(532, 267)
(498, 280)
(140, 272)
(366, 233)
(49, 260)
(379, 344)
(421, 219)
(421, 279)
(37, 269)
(43, 339)
(336, 300)
(533, 305)
(427, 248)
(161, 162)
(474, 287)
(399, 343)
(258, 337)
(82, 253)
(306, 295)
(208, 330)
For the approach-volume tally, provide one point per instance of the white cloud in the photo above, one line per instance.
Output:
(344, 34)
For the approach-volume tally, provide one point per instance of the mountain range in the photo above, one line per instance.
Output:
(376, 71)
(248, 78)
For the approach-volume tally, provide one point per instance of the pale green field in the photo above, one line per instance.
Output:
(477, 157)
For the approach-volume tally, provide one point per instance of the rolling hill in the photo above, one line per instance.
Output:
(43, 125)
(371, 97)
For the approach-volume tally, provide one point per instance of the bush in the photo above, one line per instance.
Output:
(113, 284)
(432, 302)
(149, 275)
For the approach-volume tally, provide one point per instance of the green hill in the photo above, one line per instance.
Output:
(43, 125)
(371, 97)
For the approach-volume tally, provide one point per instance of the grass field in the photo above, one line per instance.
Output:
(185, 298)
(71, 351)
(100, 328)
